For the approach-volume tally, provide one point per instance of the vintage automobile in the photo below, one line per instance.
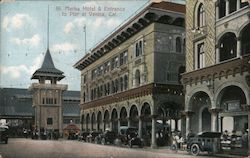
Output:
(108, 137)
(4, 134)
(129, 136)
(92, 135)
(83, 136)
(204, 141)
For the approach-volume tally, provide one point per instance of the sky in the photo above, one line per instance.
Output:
(24, 40)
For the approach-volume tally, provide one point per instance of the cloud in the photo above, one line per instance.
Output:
(33, 41)
(16, 72)
(17, 21)
(95, 24)
(64, 47)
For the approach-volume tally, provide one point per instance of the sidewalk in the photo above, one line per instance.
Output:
(168, 150)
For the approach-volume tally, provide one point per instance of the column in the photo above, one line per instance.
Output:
(238, 5)
(217, 54)
(227, 7)
(140, 128)
(248, 134)
(188, 122)
(238, 47)
(153, 136)
(129, 122)
(214, 119)
(217, 11)
(118, 125)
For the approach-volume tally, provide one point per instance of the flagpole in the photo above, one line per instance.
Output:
(85, 43)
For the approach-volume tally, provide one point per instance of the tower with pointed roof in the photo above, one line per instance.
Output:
(47, 95)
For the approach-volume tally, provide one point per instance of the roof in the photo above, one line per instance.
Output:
(15, 102)
(162, 12)
(48, 69)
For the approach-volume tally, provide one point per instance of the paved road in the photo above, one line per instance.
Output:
(27, 148)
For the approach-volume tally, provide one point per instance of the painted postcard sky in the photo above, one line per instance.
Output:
(24, 35)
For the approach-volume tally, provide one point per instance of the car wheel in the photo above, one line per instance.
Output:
(195, 149)
(103, 141)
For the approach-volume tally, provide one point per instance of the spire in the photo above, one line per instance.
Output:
(48, 29)
(48, 69)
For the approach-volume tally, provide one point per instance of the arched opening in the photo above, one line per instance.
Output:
(123, 117)
(146, 119)
(106, 120)
(245, 40)
(133, 116)
(199, 102)
(228, 46)
(230, 99)
(201, 16)
(206, 120)
(93, 122)
(82, 122)
(178, 45)
(99, 120)
(114, 119)
(137, 78)
(87, 122)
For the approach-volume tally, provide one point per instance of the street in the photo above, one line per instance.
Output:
(28, 148)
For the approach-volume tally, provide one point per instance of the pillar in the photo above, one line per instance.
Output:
(217, 11)
(238, 5)
(129, 122)
(118, 125)
(217, 54)
(227, 7)
(153, 136)
(140, 128)
(188, 122)
(214, 119)
(238, 47)
(248, 134)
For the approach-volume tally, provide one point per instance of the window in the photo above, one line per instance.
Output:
(106, 67)
(201, 16)
(137, 78)
(178, 45)
(121, 83)
(123, 58)
(201, 56)
(125, 82)
(49, 121)
(138, 48)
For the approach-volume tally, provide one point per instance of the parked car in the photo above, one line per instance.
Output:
(108, 137)
(92, 135)
(204, 141)
(4, 135)
(129, 136)
(83, 136)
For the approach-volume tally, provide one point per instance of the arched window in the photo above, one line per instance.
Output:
(137, 78)
(228, 46)
(178, 45)
(245, 40)
(201, 16)
(116, 85)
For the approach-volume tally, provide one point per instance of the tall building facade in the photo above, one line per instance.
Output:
(217, 75)
(132, 78)
(47, 96)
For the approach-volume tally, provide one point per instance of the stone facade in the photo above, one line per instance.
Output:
(217, 92)
(145, 90)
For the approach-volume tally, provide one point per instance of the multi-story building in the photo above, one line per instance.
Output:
(16, 108)
(217, 75)
(132, 78)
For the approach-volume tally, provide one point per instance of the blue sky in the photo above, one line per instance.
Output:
(24, 35)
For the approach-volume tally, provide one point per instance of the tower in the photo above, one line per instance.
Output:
(47, 95)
